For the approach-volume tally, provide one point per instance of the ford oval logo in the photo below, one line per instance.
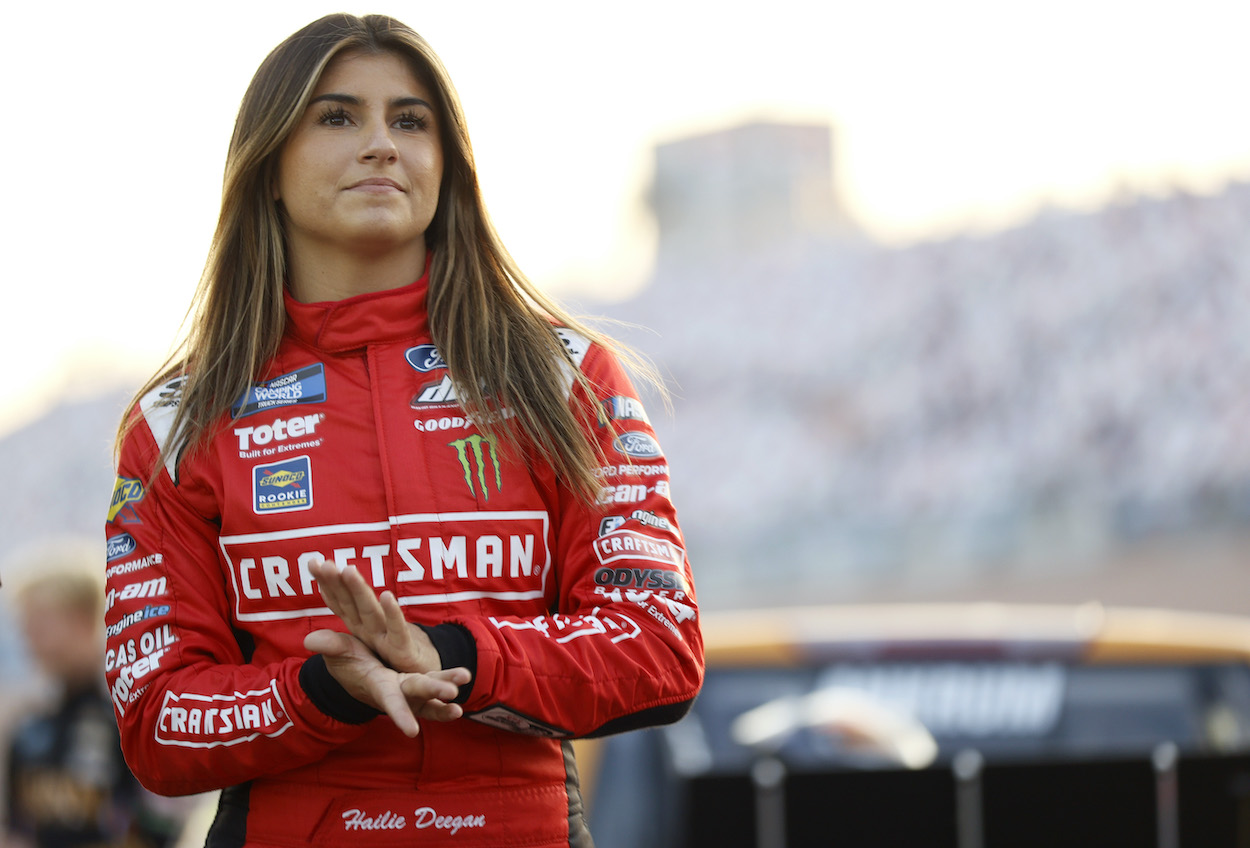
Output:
(424, 358)
(637, 445)
(120, 546)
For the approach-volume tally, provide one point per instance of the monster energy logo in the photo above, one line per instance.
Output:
(474, 443)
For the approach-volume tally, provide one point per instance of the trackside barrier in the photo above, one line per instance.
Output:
(969, 819)
(1168, 800)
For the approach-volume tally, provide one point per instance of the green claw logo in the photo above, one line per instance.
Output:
(474, 443)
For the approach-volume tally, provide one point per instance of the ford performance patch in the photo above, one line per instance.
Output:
(284, 486)
(120, 546)
(637, 445)
(307, 385)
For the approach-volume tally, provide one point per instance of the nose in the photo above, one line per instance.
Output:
(377, 145)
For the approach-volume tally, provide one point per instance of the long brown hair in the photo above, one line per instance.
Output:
(493, 328)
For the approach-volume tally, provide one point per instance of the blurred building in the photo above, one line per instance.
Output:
(745, 188)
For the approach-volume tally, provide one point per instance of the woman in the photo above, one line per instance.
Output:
(353, 494)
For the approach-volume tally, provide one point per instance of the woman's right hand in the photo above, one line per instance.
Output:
(404, 696)
(376, 621)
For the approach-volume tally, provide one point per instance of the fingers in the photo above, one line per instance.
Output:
(397, 632)
(351, 598)
(331, 643)
(430, 694)
(458, 675)
(330, 582)
(364, 677)
(402, 696)
(360, 602)
(439, 711)
(347, 595)
(407, 645)
(427, 687)
(390, 699)
(377, 621)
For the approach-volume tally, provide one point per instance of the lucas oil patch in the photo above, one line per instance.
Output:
(284, 486)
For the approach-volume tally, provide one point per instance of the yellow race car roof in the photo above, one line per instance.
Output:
(1080, 633)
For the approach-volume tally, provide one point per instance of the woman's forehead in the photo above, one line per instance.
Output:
(364, 68)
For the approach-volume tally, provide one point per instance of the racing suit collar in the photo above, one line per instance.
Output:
(385, 316)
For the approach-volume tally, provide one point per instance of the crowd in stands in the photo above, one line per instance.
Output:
(1089, 362)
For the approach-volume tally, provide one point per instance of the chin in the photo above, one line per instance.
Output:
(376, 229)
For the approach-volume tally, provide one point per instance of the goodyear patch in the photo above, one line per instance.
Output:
(307, 385)
(127, 492)
(284, 486)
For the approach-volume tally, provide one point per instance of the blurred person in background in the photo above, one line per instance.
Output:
(386, 480)
(67, 783)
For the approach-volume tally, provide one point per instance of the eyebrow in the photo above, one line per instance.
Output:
(352, 100)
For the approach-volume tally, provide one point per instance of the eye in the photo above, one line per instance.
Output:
(411, 121)
(334, 116)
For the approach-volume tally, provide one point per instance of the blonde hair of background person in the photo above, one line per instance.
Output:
(70, 780)
(490, 324)
(60, 607)
(64, 583)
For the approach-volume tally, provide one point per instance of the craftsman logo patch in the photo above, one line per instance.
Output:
(284, 486)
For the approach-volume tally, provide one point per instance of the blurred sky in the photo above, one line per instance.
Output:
(950, 115)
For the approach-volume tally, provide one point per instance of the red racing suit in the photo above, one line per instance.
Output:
(575, 620)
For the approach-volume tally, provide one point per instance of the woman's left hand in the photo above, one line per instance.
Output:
(376, 621)
(404, 696)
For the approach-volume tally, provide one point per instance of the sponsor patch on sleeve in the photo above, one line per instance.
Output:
(624, 408)
(637, 445)
(127, 492)
(610, 523)
(631, 545)
(284, 486)
(210, 721)
(505, 718)
(119, 546)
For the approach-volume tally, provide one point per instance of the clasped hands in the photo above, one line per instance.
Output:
(384, 661)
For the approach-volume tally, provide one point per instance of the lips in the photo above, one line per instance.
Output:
(377, 184)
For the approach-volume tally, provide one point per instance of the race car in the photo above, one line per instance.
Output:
(945, 725)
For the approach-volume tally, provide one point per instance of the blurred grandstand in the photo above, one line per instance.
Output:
(962, 416)
(1061, 404)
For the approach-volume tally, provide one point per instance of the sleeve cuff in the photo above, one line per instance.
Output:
(329, 696)
(456, 647)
